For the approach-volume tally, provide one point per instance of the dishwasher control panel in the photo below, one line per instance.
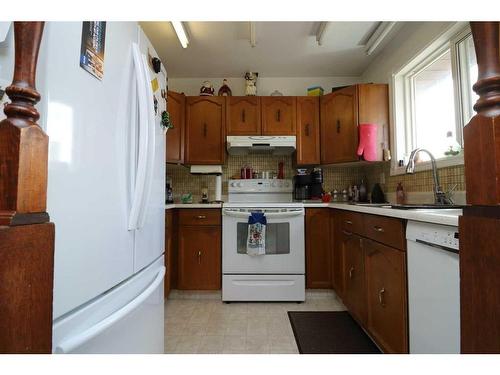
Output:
(435, 234)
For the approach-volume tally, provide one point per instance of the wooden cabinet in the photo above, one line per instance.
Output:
(354, 275)
(318, 254)
(176, 106)
(387, 230)
(278, 115)
(308, 140)
(369, 274)
(342, 111)
(169, 234)
(386, 296)
(373, 108)
(339, 126)
(243, 115)
(202, 216)
(205, 130)
(337, 258)
(199, 250)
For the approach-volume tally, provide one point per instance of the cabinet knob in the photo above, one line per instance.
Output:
(307, 130)
(346, 232)
(278, 115)
(376, 228)
(351, 271)
(201, 217)
(381, 294)
(338, 126)
(199, 256)
(243, 115)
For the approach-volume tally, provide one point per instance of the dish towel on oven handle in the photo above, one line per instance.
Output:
(256, 240)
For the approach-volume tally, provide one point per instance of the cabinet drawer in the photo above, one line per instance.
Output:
(204, 216)
(351, 222)
(387, 230)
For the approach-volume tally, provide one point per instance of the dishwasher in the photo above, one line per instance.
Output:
(433, 288)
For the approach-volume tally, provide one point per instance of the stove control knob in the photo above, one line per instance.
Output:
(273, 184)
(239, 184)
(233, 184)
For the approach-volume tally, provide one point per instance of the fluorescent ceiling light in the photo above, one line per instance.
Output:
(181, 33)
(253, 36)
(320, 33)
(378, 36)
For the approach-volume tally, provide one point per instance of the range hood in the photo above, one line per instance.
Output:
(273, 145)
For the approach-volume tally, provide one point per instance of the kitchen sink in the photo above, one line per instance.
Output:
(426, 206)
(382, 205)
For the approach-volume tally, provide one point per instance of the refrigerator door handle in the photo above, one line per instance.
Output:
(151, 145)
(81, 338)
(142, 160)
(133, 137)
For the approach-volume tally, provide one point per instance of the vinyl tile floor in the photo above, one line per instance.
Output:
(200, 323)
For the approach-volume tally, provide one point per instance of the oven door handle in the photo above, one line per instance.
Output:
(280, 215)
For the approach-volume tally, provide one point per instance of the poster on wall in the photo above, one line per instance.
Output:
(92, 49)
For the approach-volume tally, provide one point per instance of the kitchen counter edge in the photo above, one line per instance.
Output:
(192, 205)
(443, 217)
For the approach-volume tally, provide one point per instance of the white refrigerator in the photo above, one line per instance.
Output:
(106, 188)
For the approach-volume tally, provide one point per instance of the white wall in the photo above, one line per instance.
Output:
(412, 38)
(6, 63)
(294, 86)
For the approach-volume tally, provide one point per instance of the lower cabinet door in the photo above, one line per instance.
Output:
(318, 253)
(337, 259)
(385, 269)
(200, 257)
(354, 275)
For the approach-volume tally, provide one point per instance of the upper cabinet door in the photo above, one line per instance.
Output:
(373, 102)
(308, 142)
(205, 127)
(339, 126)
(176, 107)
(243, 115)
(278, 115)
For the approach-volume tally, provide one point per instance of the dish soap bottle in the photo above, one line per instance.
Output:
(400, 194)
(363, 194)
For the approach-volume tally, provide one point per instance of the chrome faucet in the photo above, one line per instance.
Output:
(440, 197)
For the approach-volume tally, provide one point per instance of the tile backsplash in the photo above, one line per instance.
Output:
(335, 177)
(417, 182)
(184, 182)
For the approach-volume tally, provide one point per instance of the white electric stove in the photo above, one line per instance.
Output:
(277, 275)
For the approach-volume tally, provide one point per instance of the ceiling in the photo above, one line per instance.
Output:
(284, 49)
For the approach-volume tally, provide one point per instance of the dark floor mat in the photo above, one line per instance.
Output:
(329, 332)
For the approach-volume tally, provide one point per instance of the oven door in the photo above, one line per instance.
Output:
(285, 252)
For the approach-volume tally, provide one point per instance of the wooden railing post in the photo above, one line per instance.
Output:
(23, 144)
(26, 236)
(480, 223)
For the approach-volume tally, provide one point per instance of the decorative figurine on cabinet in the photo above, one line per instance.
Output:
(251, 83)
(225, 90)
(207, 89)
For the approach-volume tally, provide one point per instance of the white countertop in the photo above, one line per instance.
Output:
(436, 216)
(192, 205)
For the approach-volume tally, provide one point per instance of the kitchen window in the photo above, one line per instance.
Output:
(433, 100)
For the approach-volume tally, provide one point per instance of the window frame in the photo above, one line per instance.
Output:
(403, 132)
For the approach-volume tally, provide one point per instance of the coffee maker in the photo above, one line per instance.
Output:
(308, 185)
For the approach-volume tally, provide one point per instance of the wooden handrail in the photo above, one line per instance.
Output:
(23, 144)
